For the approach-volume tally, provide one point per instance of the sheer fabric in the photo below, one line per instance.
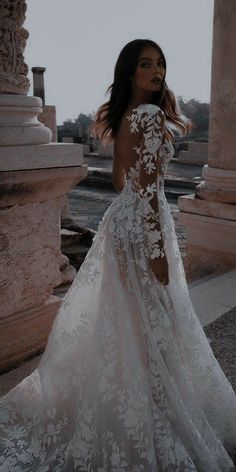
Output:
(128, 381)
(149, 168)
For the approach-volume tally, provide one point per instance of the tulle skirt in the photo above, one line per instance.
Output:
(128, 381)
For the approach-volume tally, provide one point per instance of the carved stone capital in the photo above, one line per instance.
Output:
(13, 70)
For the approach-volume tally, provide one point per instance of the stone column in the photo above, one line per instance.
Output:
(210, 215)
(38, 82)
(35, 175)
(48, 114)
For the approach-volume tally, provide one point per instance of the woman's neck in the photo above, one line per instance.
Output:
(139, 97)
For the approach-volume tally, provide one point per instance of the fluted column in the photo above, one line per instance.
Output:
(209, 216)
(13, 70)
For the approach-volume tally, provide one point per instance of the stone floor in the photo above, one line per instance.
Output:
(222, 335)
(213, 296)
(14, 376)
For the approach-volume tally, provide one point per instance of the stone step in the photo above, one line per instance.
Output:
(68, 237)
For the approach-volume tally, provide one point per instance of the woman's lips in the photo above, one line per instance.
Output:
(156, 80)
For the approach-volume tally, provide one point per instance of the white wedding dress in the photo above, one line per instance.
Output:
(128, 381)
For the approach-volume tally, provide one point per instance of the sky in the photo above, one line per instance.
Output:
(78, 41)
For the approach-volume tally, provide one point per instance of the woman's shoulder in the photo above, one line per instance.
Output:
(144, 115)
(151, 108)
(148, 108)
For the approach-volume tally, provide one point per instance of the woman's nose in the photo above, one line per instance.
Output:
(158, 70)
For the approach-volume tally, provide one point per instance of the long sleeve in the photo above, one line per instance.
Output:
(151, 120)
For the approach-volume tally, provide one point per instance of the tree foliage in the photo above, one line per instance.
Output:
(78, 129)
(198, 113)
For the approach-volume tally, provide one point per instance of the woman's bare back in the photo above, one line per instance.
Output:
(125, 155)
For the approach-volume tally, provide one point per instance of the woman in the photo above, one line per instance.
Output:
(128, 381)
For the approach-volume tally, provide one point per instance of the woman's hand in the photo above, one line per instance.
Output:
(160, 268)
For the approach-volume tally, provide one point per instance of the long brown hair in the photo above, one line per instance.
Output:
(108, 116)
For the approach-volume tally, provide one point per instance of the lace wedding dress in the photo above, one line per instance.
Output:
(128, 381)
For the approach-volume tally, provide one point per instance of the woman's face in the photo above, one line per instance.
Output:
(150, 70)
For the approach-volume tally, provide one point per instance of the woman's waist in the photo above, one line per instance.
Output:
(134, 189)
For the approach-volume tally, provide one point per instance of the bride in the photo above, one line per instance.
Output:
(128, 381)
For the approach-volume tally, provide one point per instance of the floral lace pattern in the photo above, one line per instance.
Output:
(128, 381)
(149, 169)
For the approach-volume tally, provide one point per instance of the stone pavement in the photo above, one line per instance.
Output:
(221, 334)
(213, 296)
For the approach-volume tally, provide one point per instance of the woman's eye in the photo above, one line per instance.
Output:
(145, 64)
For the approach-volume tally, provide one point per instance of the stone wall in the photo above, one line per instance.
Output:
(197, 153)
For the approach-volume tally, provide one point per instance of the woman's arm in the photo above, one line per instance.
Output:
(151, 119)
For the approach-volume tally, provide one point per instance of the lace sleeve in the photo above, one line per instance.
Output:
(151, 120)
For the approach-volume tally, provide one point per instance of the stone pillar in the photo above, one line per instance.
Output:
(38, 82)
(220, 174)
(48, 114)
(210, 215)
(35, 176)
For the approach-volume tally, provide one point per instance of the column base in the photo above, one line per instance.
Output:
(25, 333)
(19, 123)
(219, 185)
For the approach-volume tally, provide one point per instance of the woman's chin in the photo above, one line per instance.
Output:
(153, 88)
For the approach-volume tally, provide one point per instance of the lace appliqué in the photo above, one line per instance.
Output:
(150, 168)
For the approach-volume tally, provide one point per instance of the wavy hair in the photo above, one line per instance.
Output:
(109, 115)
